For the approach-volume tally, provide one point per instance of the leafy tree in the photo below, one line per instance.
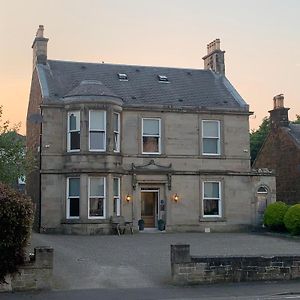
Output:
(13, 162)
(258, 136)
(297, 121)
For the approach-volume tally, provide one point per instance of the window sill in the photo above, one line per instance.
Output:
(86, 221)
(212, 219)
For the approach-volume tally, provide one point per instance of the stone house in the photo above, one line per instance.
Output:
(281, 152)
(142, 142)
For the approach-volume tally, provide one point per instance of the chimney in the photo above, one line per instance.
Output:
(214, 60)
(39, 47)
(279, 115)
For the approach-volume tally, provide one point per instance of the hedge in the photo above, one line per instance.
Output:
(274, 215)
(292, 219)
(16, 217)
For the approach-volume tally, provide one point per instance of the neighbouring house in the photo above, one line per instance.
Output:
(281, 152)
(143, 142)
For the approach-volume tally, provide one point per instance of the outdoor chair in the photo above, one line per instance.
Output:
(119, 225)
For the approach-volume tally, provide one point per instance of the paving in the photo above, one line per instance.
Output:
(143, 260)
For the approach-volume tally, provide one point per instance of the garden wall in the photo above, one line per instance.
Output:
(187, 269)
(35, 274)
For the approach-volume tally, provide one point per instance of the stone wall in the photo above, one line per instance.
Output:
(281, 153)
(35, 274)
(188, 270)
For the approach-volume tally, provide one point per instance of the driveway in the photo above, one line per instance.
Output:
(143, 260)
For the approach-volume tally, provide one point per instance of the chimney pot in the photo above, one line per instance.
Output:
(278, 101)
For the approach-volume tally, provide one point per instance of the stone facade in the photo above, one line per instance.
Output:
(281, 152)
(35, 274)
(179, 166)
(190, 270)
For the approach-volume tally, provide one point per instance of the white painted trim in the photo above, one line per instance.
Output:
(97, 130)
(104, 198)
(68, 199)
(159, 135)
(212, 137)
(77, 114)
(118, 212)
(219, 215)
(119, 132)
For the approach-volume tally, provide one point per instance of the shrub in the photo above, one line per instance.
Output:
(292, 219)
(16, 216)
(274, 214)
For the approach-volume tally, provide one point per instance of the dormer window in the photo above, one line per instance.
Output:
(122, 77)
(163, 78)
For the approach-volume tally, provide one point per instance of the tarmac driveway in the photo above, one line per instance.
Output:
(143, 260)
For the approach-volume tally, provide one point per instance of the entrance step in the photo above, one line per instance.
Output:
(151, 230)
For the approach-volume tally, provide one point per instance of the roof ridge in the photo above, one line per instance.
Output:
(128, 65)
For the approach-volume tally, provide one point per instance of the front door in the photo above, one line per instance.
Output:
(149, 200)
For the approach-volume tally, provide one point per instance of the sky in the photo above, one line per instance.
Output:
(261, 39)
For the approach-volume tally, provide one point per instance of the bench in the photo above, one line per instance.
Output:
(119, 225)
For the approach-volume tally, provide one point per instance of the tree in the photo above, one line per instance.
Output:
(13, 162)
(257, 137)
(297, 121)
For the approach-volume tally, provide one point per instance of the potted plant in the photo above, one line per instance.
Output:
(141, 224)
(161, 224)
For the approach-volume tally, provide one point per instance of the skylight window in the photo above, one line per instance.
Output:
(162, 78)
(123, 77)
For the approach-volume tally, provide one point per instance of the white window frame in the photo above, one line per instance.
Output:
(68, 199)
(219, 215)
(104, 198)
(117, 132)
(77, 114)
(97, 130)
(218, 138)
(118, 198)
(159, 136)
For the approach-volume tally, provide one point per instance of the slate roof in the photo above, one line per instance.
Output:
(186, 87)
(295, 132)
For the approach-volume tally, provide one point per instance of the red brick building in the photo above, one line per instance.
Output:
(281, 152)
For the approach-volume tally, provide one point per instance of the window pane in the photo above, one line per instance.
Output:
(74, 207)
(72, 122)
(210, 129)
(97, 140)
(210, 146)
(117, 206)
(97, 120)
(151, 127)
(74, 187)
(97, 186)
(150, 144)
(211, 207)
(116, 122)
(75, 140)
(116, 187)
(211, 190)
(96, 207)
(116, 141)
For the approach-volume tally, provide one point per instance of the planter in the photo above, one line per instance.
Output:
(141, 224)
(161, 224)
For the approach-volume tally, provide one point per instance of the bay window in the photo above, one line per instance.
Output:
(73, 197)
(97, 130)
(117, 198)
(96, 198)
(73, 138)
(116, 121)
